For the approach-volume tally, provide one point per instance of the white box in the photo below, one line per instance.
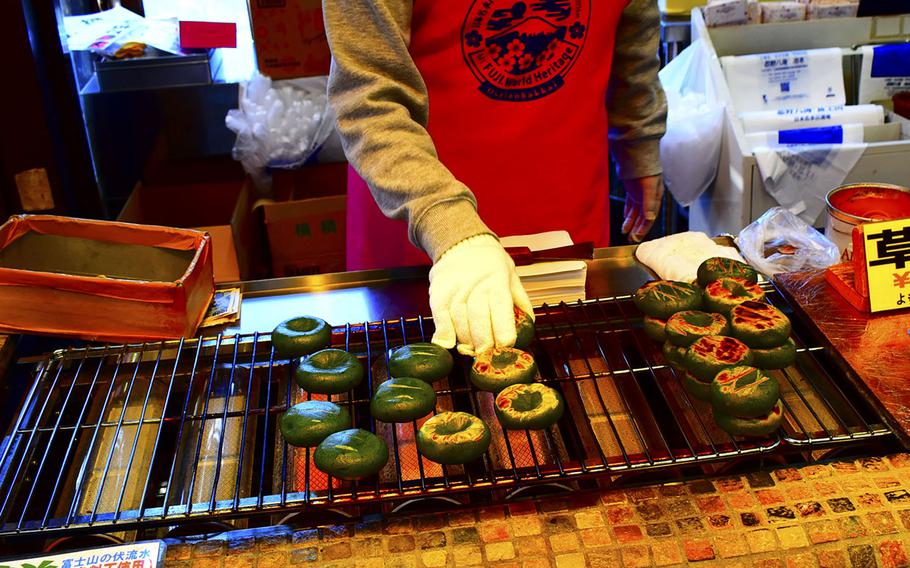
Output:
(738, 195)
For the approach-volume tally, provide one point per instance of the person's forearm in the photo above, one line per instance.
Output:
(636, 102)
(380, 101)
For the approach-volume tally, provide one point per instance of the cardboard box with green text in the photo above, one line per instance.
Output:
(306, 236)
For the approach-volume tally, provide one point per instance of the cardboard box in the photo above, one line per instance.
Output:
(101, 280)
(222, 209)
(307, 182)
(290, 38)
(306, 236)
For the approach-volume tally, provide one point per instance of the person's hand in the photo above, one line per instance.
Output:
(643, 199)
(473, 287)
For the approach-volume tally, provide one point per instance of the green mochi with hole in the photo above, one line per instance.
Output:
(724, 294)
(301, 336)
(655, 328)
(425, 361)
(720, 267)
(711, 354)
(351, 454)
(662, 298)
(330, 371)
(528, 406)
(751, 427)
(524, 329)
(744, 391)
(775, 357)
(453, 438)
(402, 400)
(308, 423)
(499, 368)
(683, 328)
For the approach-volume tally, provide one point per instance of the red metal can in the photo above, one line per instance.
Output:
(859, 203)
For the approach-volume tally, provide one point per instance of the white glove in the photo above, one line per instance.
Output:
(473, 287)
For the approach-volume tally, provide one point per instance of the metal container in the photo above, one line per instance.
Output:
(859, 203)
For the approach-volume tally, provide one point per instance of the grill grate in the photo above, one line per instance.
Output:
(163, 433)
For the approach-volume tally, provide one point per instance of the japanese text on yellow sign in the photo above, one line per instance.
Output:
(888, 264)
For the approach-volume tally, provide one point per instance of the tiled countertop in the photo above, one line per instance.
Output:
(841, 514)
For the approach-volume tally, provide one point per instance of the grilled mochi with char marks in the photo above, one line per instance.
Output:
(720, 267)
(744, 391)
(655, 328)
(760, 426)
(711, 354)
(453, 437)
(531, 407)
(683, 328)
(725, 293)
(775, 357)
(662, 298)
(759, 325)
(501, 367)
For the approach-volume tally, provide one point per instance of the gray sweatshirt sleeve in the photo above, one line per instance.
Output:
(380, 101)
(636, 102)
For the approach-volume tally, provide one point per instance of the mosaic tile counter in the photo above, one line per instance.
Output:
(840, 514)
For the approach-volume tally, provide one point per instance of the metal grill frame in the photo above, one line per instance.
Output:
(26, 464)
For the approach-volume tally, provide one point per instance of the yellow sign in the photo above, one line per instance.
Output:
(888, 264)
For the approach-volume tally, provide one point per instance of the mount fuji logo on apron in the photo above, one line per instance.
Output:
(522, 51)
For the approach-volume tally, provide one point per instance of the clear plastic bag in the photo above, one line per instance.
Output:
(690, 149)
(279, 124)
(779, 241)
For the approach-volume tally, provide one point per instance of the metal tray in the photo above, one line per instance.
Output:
(627, 412)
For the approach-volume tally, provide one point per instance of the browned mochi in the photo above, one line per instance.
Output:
(725, 293)
(744, 391)
(713, 353)
(683, 328)
(662, 298)
(759, 426)
(759, 325)
(720, 267)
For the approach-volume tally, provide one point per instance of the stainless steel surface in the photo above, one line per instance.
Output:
(389, 294)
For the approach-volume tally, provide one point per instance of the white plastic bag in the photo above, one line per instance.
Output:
(779, 241)
(690, 150)
(279, 124)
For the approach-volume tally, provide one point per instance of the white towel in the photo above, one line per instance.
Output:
(677, 257)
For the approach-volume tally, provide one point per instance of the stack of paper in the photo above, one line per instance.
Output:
(550, 282)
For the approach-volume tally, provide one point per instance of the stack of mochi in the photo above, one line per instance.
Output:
(720, 326)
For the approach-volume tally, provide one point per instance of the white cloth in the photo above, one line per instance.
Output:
(677, 257)
(799, 177)
(473, 287)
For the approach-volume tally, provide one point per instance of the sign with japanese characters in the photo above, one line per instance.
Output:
(888, 264)
(138, 555)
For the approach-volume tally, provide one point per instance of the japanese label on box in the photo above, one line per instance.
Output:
(138, 555)
(888, 264)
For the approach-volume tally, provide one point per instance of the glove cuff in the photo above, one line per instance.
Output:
(447, 224)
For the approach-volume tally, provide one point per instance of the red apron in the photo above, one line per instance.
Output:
(517, 95)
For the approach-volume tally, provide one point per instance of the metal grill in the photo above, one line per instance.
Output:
(164, 433)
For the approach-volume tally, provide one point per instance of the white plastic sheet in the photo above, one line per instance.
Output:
(690, 150)
(779, 241)
(279, 124)
(787, 79)
(799, 177)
